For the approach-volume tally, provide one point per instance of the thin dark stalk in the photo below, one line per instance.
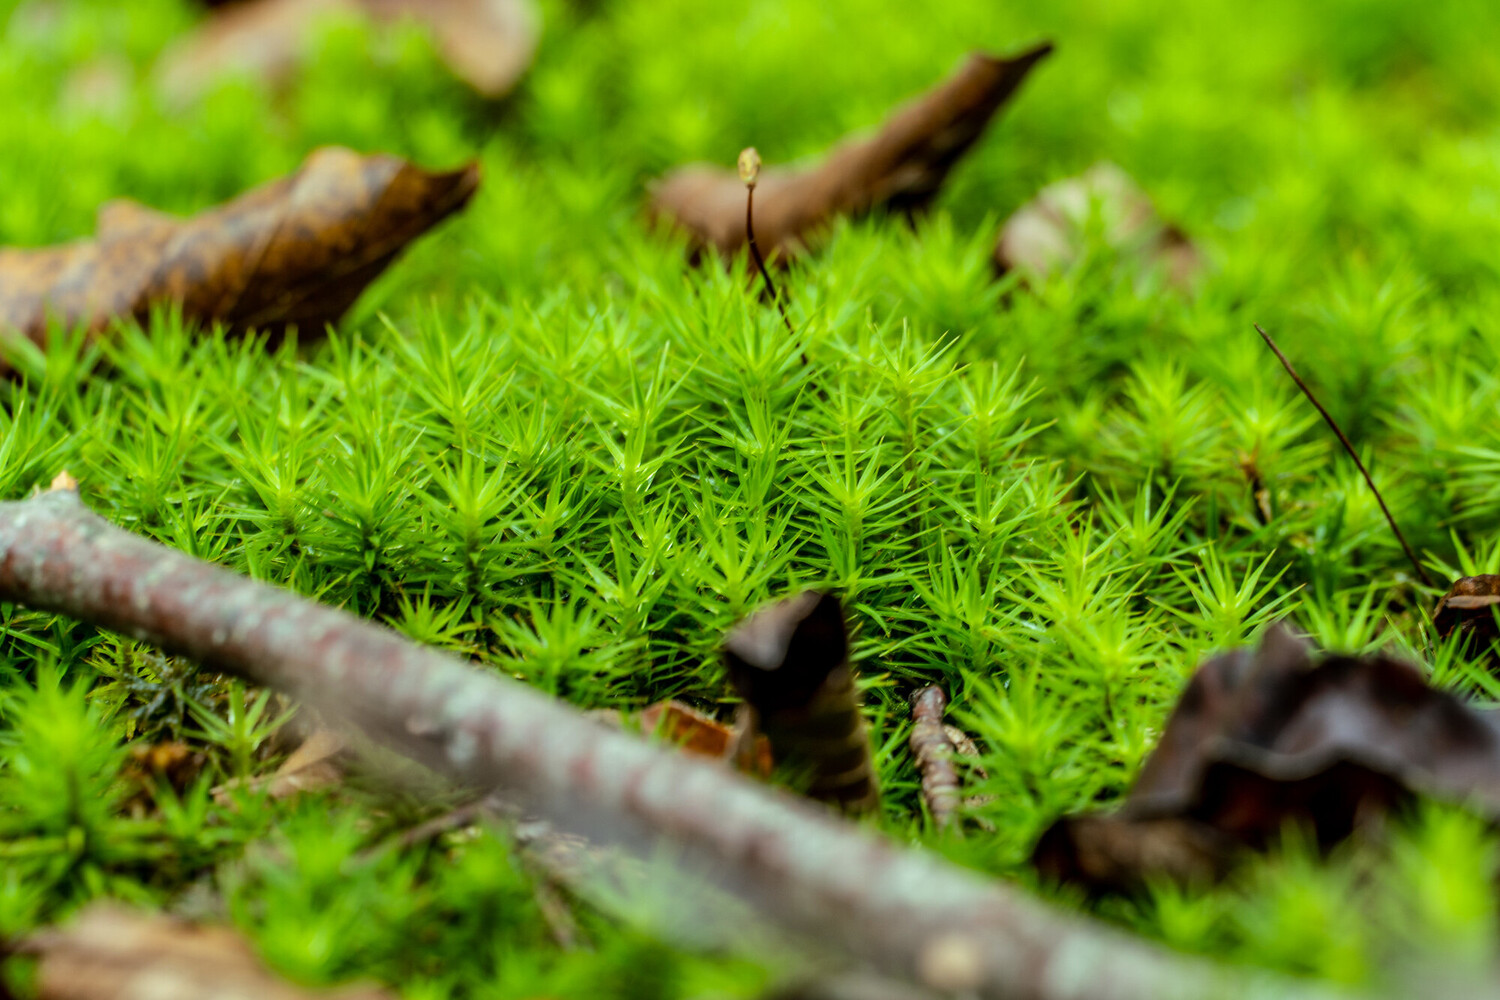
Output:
(760, 263)
(1328, 418)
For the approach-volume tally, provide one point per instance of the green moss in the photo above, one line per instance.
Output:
(544, 442)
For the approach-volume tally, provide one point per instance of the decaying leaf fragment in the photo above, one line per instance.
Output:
(489, 44)
(790, 662)
(316, 764)
(111, 953)
(1048, 233)
(294, 252)
(1273, 735)
(901, 167)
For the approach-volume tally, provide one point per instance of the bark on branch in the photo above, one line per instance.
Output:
(902, 912)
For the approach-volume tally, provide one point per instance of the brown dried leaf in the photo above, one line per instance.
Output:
(111, 953)
(1048, 233)
(294, 252)
(790, 662)
(901, 167)
(1268, 736)
(489, 44)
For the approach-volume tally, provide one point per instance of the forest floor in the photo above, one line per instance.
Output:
(545, 441)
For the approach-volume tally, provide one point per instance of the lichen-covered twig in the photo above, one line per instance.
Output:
(934, 752)
(905, 913)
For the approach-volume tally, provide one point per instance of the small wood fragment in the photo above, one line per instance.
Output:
(934, 751)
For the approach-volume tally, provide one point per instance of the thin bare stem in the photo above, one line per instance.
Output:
(1328, 418)
(749, 167)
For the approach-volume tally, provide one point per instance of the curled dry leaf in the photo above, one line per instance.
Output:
(1264, 737)
(790, 662)
(294, 252)
(1468, 610)
(1049, 232)
(487, 43)
(111, 953)
(901, 167)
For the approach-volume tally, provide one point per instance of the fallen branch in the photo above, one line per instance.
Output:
(905, 913)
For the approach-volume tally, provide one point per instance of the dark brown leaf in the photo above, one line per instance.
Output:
(294, 252)
(901, 167)
(110, 953)
(487, 43)
(1468, 611)
(790, 662)
(1265, 737)
(1118, 854)
(1049, 232)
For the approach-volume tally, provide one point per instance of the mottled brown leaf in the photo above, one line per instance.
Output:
(294, 252)
(1261, 738)
(1050, 232)
(110, 953)
(901, 167)
(489, 44)
(790, 662)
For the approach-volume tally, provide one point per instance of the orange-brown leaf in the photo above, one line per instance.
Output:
(901, 167)
(699, 734)
(294, 252)
(110, 953)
